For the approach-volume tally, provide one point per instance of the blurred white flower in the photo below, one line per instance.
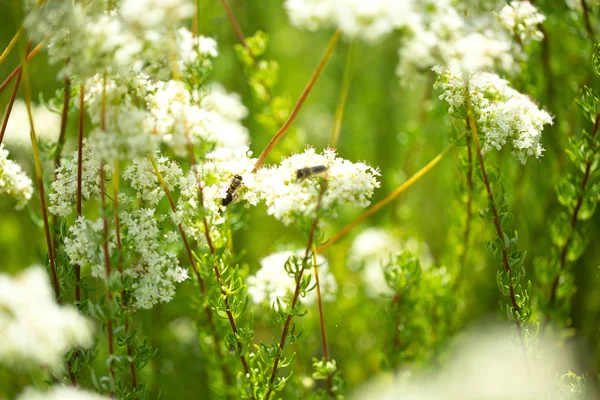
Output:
(522, 19)
(60, 393)
(13, 180)
(289, 199)
(374, 248)
(35, 331)
(45, 122)
(272, 281)
(156, 13)
(504, 116)
(483, 365)
(369, 20)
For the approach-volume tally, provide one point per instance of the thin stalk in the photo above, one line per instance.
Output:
(63, 122)
(39, 174)
(377, 206)
(59, 147)
(107, 268)
(588, 24)
(469, 205)
(17, 35)
(120, 266)
(321, 316)
(201, 283)
(332, 42)
(505, 262)
(11, 45)
(195, 19)
(238, 30)
(17, 70)
(79, 181)
(11, 102)
(286, 325)
(565, 247)
(343, 98)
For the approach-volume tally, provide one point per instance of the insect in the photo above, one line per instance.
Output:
(307, 172)
(234, 186)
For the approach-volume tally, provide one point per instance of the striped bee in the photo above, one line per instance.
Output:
(234, 186)
(307, 172)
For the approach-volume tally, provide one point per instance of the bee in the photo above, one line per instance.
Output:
(234, 186)
(307, 172)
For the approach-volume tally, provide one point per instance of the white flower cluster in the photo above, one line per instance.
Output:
(438, 32)
(60, 393)
(64, 188)
(522, 19)
(118, 42)
(35, 331)
(46, 124)
(272, 281)
(373, 248)
(215, 174)
(369, 20)
(504, 116)
(144, 181)
(451, 34)
(177, 117)
(154, 268)
(289, 199)
(84, 245)
(13, 181)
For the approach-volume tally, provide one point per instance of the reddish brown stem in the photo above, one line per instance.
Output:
(201, 283)
(586, 19)
(59, 146)
(238, 30)
(332, 42)
(109, 323)
(286, 325)
(11, 102)
(496, 219)
(39, 173)
(79, 180)
(17, 70)
(322, 319)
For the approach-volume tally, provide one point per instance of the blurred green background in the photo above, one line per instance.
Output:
(397, 129)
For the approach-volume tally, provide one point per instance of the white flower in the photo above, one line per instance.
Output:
(373, 248)
(216, 174)
(143, 179)
(45, 122)
(84, 245)
(60, 393)
(289, 199)
(64, 188)
(154, 268)
(522, 18)
(155, 14)
(228, 105)
(13, 181)
(369, 20)
(272, 281)
(504, 116)
(35, 331)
